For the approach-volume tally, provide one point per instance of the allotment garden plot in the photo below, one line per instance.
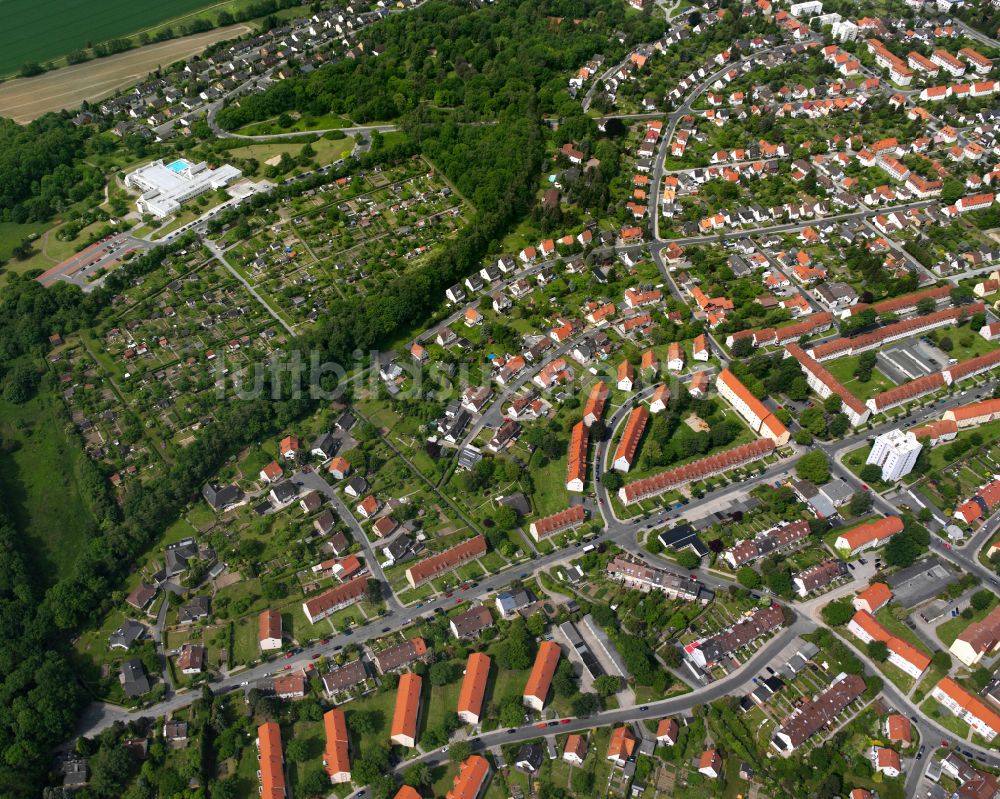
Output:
(349, 237)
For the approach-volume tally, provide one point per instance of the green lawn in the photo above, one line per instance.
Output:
(933, 710)
(39, 468)
(843, 370)
(303, 123)
(550, 495)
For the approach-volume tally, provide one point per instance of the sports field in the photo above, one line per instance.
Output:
(25, 99)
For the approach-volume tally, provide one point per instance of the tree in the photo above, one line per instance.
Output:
(607, 685)
(839, 425)
(511, 712)
(298, 749)
(416, 776)
(748, 577)
(814, 467)
(838, 612)
(613, 481)
(517, 649)
(871, 473)
(688, 560)
(981, 600)
(506, 518)
(459, 751)
(926, 305)
(564, 680)
(373, 591)
(742, 347)
(315, 783)
(941, 660)
(672, 657)
(861, 503)
(902, 550)
(813, 420)
(832, 404)
(878, 650)
(443, 672)
(586, 705)
(803, 438)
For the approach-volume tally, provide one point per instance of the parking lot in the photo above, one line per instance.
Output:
(908, 360)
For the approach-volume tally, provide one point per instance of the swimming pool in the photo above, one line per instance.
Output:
(178, 166)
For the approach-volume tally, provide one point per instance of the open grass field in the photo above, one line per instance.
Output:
(37, 470)
(25, 99)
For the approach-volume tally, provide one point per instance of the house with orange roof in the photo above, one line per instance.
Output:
(470, 783)
(968, 707)
(675, 357)
(710, 763)
(271, 472)
(470, 698)
(628, 446)
(339, 467)
(666, 732)
(576, 463)
(336, 759)
(650, 364)
(897, 728)
(269, 630)
(622, 745)
(868, 535)
(407, 792)
(575, 751)
(329, 602)
(540, 680)
(271, 762)
(886, 761)
(974, 414)
(472, 317)
(626, 376)
(902, 654)
(567, 519)
(756, 414)
(700, 349)
(658, 402)
(407, 711)
(978, 640)
(872, 598)
(448, 560)
(289, 447)
(596, 400)
(368, 507)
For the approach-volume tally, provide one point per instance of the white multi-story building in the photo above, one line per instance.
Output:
(895, 452)
(845, 31)
(165, 187)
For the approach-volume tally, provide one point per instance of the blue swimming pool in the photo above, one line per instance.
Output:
(178, 166)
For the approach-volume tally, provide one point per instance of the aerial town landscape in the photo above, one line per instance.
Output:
(481, 399)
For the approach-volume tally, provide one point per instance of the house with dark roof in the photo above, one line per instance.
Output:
(133, 678)
(127, 634)
(222, 497)
(471, 623)
(196, 609)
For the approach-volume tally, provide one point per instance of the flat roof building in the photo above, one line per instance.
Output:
(165, 187)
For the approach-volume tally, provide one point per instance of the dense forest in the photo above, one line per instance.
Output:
(39, 168)
(475, 64)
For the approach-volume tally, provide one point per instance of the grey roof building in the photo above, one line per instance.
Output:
(133, 677)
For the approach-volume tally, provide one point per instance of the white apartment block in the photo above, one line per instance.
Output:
(895, 452)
